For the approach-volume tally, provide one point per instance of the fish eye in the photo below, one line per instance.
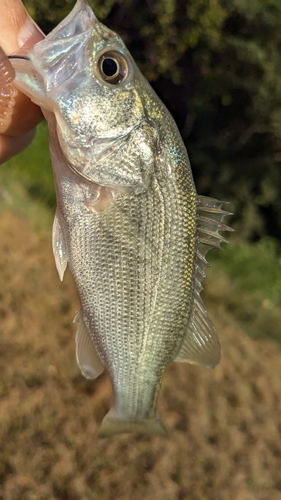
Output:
(113, 67)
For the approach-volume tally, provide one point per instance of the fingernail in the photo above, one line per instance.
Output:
(29, 34)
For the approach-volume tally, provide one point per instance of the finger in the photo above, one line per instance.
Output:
(17, 30)
(11, 146)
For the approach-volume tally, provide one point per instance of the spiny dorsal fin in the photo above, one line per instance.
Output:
(209, 222)
(201, 343)
(59, 247)
(86, 355)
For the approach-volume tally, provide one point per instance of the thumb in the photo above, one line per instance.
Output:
(18, 31)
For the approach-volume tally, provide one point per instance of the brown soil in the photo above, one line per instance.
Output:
(224, 425)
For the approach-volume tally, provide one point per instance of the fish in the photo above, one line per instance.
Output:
(129, 222)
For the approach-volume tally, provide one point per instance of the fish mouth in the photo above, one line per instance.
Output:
(60, 55)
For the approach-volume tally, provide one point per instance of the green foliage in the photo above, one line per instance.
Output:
(246, 279)
(32, 169)
(255, 269)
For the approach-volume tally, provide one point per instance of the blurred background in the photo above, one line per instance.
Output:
(216, 64)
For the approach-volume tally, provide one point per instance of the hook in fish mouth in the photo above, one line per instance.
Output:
(19, 57)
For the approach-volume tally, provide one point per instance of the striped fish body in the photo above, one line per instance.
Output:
(129, 222)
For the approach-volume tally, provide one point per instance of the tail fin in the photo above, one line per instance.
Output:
(112, 424)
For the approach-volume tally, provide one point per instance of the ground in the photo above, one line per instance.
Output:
(224, 424)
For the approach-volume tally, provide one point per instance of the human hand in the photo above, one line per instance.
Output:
(18, 30)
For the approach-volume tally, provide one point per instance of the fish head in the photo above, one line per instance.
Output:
(84, 74)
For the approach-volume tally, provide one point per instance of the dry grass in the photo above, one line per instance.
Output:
(224, 441)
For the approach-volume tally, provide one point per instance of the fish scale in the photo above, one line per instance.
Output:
(129, 222)
(128, 272)
(104, 301)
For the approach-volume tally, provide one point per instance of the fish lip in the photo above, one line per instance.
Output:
(80, 12)
(64, 41)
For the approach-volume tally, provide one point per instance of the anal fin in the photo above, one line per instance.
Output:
(86, 355)
(59, 247)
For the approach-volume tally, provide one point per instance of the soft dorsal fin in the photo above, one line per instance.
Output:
(201, 343)
(59, 247)
(86, 355)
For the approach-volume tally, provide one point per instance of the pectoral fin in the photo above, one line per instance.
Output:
(59, 247)
(86, 355)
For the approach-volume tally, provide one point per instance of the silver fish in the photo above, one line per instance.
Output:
(129, 222)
